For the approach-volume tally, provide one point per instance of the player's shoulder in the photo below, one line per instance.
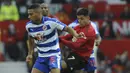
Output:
(49, 19)
(93, 23)
(29, 23)
(91, 29)
(76, 21)
(77, 27)
(73, 24)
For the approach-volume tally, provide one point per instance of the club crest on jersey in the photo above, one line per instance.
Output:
(44, 27)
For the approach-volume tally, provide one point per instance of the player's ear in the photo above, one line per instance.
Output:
(88, 17)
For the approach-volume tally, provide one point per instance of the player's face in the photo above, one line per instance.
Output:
(83, 20)
(45, 10)
(33, 15)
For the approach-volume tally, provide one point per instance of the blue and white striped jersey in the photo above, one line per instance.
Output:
(45, 36)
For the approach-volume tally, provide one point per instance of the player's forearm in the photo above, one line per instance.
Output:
(71, 31)
(98, 38)
(30, 47)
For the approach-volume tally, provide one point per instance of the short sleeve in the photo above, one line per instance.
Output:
(95, 27)
(73, 24)
(26, 27)
(58, 24)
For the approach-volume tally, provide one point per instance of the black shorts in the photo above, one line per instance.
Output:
(75, 62)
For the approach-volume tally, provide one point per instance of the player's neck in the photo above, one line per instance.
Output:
(86, 24)
(37, 22)
(45, 15)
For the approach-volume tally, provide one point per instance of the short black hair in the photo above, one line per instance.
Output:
(34, 6)
(82, 11)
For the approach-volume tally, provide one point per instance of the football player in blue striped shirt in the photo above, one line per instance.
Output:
(42, 33)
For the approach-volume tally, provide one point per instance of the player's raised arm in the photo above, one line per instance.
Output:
(61, 26)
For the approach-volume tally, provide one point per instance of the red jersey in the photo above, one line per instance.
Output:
(82, 47)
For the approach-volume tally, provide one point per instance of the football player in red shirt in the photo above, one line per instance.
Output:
(82, 48)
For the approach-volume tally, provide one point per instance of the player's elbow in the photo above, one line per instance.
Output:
(67, 29)
(98, 37)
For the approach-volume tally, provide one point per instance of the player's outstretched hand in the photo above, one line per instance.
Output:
(82, 35)
(29, 58)
(97, 42)
(74, 39)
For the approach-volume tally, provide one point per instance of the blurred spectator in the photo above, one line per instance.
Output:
(108, 14)
(2, 51)
(124, 58)
(12, 30)
(63, 16)
(127, 70)
(38, 1)
(30, 2)
(22, 8)
(120, 62)
(128, 1)
(46, 10)
(47, 1)
(73, 1)
(100, 55)
(23, 12)
(107, 30)
(117, 59)
(73, 13)
(10, 39)
(102, 66)
(0, 2)
(116, 64)
(58, 1)
(20, 2)
(12, 49)
(92, 12)
(8, 11)
(126, 13)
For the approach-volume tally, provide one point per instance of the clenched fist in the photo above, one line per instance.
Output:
(29, 58)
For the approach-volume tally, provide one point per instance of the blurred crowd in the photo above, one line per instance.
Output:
(120, 64)
(15, 10)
